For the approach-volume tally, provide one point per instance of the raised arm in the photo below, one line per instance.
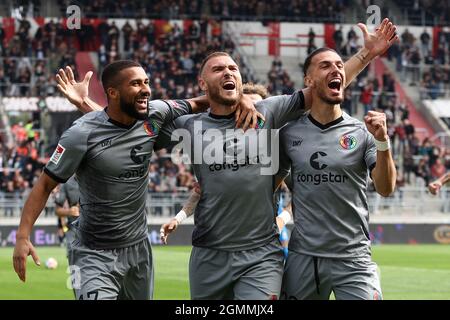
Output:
(384, 174)
(76, 92)
(375, 44)
(31, 211)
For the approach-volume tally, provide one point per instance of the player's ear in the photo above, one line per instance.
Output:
(202, 84)
(308, 81)
(112, 92)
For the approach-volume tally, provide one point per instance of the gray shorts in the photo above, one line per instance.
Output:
(125, 273)
(254, 274)
(314, 278)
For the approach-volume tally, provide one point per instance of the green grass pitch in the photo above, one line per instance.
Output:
(407, 272)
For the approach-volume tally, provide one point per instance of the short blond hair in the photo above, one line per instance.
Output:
(213, 55)
(251, 88)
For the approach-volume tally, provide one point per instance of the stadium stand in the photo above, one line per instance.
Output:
(424, 12)
(171, 52)
(284, 10)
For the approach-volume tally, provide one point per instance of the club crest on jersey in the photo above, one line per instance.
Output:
(347, 142)
(56, 156)
(259, 123)
(151, 127)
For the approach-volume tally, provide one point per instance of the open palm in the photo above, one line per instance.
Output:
(379, 41)
(74, 91)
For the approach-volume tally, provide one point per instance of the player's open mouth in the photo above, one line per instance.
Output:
(142, 102)
(229, 85)
(335, 85)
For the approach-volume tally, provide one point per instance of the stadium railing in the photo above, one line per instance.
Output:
(408, 200)
(437, 93)
(332, 18)
(421, 19)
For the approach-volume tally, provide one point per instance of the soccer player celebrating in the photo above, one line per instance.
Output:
(237, 254)
(255, 92)
(109, 151)
(236, 251)
(331, 155)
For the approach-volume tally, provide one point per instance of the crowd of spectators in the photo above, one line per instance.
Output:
(419, 160)
(418, 65)
(415, 61)
(28, 62)
(259, 10)
(166, 176)
(279, 81)
(171, 56)
(429, 12)
(23, 8)
(20, 164)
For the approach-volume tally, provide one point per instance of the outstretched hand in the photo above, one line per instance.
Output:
(379, 41)
(74, 91)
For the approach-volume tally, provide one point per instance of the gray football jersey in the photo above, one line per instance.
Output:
(111, 163)
(235, 211)
(69, 191)
(330, 167)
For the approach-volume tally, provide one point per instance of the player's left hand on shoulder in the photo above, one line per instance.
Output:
(376, 124)
(246, 114)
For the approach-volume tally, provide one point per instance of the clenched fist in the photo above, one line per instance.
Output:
(376, 124)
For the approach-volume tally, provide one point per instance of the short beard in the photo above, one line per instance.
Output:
(330, 101)
(333, 102)
(130, 109)
(214, 95)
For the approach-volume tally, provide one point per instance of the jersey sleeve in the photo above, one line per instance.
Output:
(370, 155)
(285, 108)
(68, 154)
(164, 111)
(169, 134)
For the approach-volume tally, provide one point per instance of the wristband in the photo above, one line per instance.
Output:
(383, 145)
(285, 216)
(180, 216)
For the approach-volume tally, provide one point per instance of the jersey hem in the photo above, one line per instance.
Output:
(109, 246)
(237, 248)
(332, 256)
